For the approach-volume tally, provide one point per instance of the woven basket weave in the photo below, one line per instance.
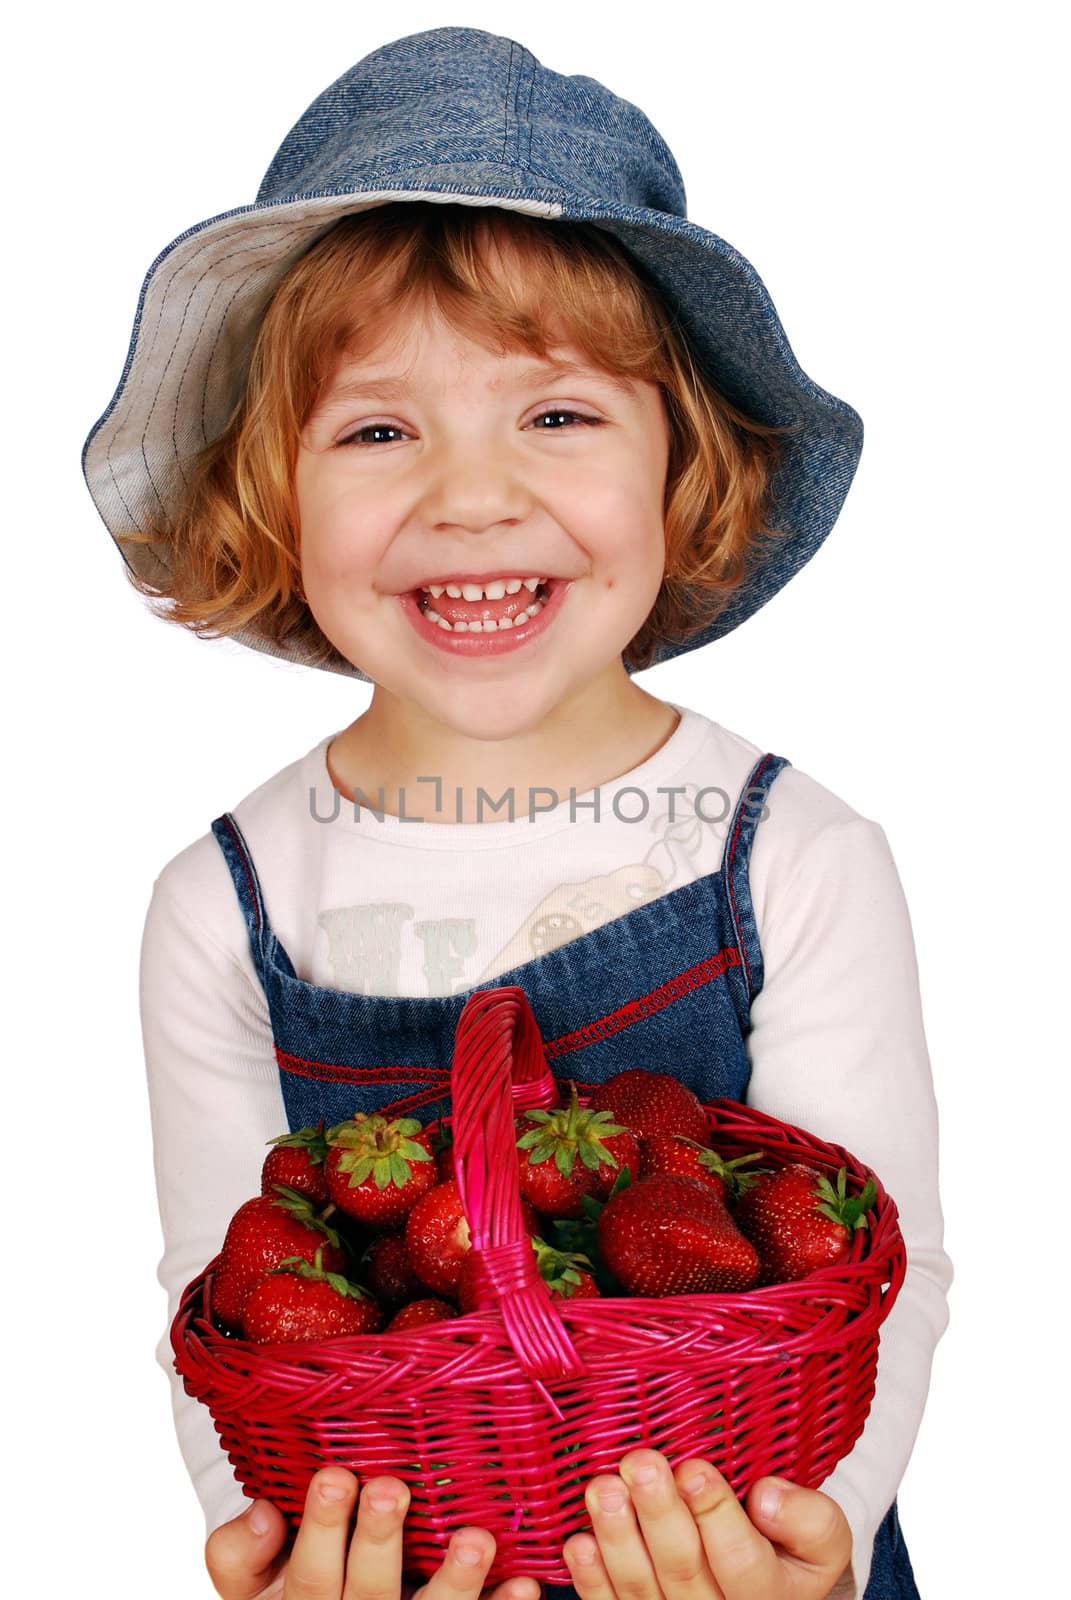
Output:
(500, 1418)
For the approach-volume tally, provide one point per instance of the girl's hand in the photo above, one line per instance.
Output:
(245, 1561)
(668, 1540)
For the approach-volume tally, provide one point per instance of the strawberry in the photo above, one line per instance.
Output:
(299, 1301)
(298, 1161)
(669, 1152)
(261, 1234)
(378, 1167)
(421, 1313)
(672, 1235)
(389, 1272)
(652, 1102)
(563, 1154)
(437, 1236)
(798, 1222)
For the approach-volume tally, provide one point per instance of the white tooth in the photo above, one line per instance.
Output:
(453, 591)
(489, 626)
(513, 585)
(531, 584)
(471, 591)
(435, 590)
(495, 590)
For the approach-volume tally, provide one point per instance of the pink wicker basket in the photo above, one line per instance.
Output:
(500, 1418)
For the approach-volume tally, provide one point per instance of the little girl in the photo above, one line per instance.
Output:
(464, 408)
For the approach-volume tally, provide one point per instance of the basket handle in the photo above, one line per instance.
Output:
(497, 1045)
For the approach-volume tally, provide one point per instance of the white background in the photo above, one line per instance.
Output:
(893, 173)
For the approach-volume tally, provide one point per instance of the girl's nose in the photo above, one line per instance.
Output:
(475, 487)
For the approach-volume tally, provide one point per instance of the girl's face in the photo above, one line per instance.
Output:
(433, 460)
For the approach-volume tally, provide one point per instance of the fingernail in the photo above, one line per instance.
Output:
(698, 1485)
(772, 1496)
(611, 1499)
(332, 1492)
(644, 1474)
(583, 1554)
(468, 1554)
(259, 1517)
(382, 1502)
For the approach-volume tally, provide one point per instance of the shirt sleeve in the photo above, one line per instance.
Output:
(837, 1047)
(215, 1100)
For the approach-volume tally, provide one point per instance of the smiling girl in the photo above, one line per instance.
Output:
(433, 416)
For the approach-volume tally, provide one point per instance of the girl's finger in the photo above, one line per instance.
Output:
(809, 1526)
(464, 1568)
(590, 1578)
(374, 1565)
(621, 1547)
(516, 1589)
(242, 1556)
(742, 1560)
(668, 1528)
(318, 1560)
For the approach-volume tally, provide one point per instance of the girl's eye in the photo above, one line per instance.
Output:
(371, 427)
(574, 416)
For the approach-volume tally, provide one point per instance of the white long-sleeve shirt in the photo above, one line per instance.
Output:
(380, 905)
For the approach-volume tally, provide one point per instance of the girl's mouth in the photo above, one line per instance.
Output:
(485, 627)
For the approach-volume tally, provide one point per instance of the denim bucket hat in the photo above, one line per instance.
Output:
(460, 116)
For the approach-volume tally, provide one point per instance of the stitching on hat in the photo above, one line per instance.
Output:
(528, 120)
(215, 266)
(141, 378)
(505, 100)
(253, 243)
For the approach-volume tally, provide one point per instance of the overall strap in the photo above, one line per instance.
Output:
(750, 809)
(266, 950)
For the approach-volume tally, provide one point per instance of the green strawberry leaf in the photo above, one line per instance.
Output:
(413, 1151)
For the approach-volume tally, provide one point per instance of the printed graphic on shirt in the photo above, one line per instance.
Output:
(366, 942)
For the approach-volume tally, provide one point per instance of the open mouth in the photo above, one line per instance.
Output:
(485, 616)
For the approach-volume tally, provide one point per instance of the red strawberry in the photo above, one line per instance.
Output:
(389, 1272)
(262, 1233)
(299, 1301)
(420, 1313)
(669, 1152)
(298, 1161)
(672, 1235)
(798, 1222)
(564, 1154)
(652, 1102)
(378, 1167)
(437, 1236)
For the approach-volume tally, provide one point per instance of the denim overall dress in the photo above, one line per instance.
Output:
(670, 981)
